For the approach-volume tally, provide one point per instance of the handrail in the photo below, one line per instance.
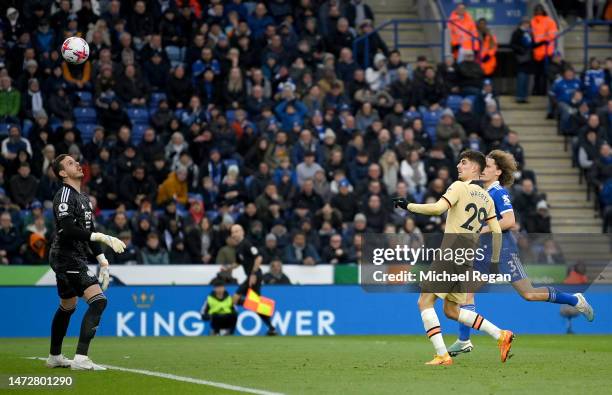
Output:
(444, 22)
(585, 24)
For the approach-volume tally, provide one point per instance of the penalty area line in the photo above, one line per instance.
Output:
(183, 379)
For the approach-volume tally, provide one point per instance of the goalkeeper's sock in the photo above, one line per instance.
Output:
(464, 330)
(433, 330)
(555, 296)
(476, 321)
(97, 304)
(59, 326)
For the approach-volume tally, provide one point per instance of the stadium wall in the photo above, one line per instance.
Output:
(300, 310)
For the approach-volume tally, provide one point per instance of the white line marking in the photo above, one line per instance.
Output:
(183, 379)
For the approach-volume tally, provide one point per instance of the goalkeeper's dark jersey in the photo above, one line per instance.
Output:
(71, 209)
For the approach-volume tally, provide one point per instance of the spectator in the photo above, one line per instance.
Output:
(271, 252)
(174, 187)
(495, 131)
(335, 253)
(470, 74)
(301, 253)
(131, 88)
(378, 76)
(219, 310)
(10, 101)
(376, 215)
(275, 275)
(525, 200)
(153, 253)
(308, 168)
(551, 253)
(10, 241)
(521, 44)
(130, 255)
(429, 90)
(448, 127)
(136, 187)
(23, 186)
(15, 143)
(512, 145)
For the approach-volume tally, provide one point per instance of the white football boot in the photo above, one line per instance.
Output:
(82, 362)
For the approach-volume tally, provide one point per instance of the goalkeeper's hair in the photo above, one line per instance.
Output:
(57, 166)
(506, 163)
(474, 156)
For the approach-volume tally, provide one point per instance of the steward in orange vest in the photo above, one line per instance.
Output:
(463, 32)
(544, 30)
(488, 53)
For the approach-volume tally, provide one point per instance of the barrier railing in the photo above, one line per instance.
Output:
(585, 25)
(365, 61)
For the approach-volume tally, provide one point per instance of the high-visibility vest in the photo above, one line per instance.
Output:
(462, 37)
(544, 28)
(489, 48)
(216, 306)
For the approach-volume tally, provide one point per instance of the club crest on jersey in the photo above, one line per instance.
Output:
(506, 200)
(63, 207)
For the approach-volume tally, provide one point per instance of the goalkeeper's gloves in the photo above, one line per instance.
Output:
(117, 245)
(400, 202)
(104, 274)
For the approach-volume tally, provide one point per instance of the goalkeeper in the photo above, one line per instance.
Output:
(75, 239)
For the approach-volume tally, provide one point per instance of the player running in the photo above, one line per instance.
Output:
(73, 214)
(469, 207)
(497, 174)
(250, 258)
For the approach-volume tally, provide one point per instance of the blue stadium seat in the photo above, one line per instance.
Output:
(138, 115)
(212, 214)
(84, 97)
(87, 131)
(138, 131)
(174, 55)
(454, 102)
(471, 98)
(27, 126)
(55, 123)
(229, 162)
(156, 98)
(230, 115)
(4, 128)
(412, 115)
(85, 115)
(430, 121)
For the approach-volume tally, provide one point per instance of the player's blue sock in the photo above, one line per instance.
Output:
(555, 296)
(464, 330)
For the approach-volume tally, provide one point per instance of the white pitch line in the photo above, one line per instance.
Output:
(184, 379)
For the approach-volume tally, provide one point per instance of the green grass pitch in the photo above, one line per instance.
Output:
(326, 365)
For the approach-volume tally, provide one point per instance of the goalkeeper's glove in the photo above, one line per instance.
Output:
(104, 275)
(400, 202)
(117, 245)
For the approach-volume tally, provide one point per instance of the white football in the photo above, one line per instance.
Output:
(75, 50)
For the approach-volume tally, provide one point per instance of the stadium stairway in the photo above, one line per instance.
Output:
(385, 10)
(545, 154)
(574, 44)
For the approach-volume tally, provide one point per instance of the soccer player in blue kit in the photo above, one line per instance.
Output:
(497, 174)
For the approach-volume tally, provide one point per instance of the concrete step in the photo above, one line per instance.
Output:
(529, 136)
(555, 163)
(573, 221)
(560, 187)
(411, 54)
(573, 213)
(576, 229)
(403, 37)
(390, 6)
(541, 153)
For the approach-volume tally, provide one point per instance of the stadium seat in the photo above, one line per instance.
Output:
(174, 55)
(55, 124)
(454, 102)
(412, 115)
(138, 115)
(229, 162)
(84, 98)
(212, 214)
(156, 98)
(27, 126)
(471, 98)
(230, 115)
(430, 121)
(138, 131)
(85, 115)
(87, 131)
(4, 128)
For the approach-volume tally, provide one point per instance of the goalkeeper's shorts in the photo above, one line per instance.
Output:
(72, 278)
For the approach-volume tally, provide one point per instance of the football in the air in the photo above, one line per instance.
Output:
(75, 50)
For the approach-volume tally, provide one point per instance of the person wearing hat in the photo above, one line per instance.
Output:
(448, 127)
(270, 251)
(375, 45)
(378, 76)
(219, 310)
(521, 44)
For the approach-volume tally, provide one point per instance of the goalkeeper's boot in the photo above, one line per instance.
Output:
(82, 362)
(443, 360)
(584, 307)
(460, 347)
(505, 344)
(58, 361)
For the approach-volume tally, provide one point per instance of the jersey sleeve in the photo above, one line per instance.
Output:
(502, 201)
(453, 193)
(63, 204)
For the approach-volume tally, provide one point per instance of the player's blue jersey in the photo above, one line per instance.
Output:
(509, 262)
